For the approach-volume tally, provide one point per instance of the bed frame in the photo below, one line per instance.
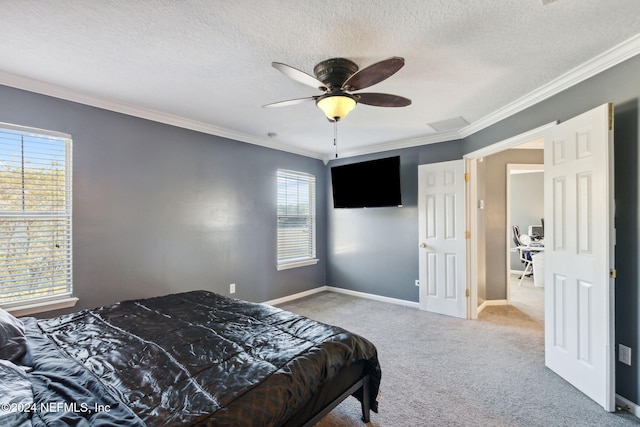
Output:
(363, 384)
(352, 380)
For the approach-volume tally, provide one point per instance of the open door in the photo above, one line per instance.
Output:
(579, 250)
(441, 213)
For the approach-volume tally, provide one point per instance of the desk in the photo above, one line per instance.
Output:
(534, 249)
(538, 269)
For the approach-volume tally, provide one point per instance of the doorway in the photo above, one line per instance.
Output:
(525, 213)
(578, 197)
(488, 218)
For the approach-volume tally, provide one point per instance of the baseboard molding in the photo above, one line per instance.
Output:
(491, 302)
(627, 405)
(342, 291)
(296, 296)
(397, 301)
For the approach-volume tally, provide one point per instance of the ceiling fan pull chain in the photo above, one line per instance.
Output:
(335, 136)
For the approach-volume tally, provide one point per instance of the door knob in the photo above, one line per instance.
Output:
(423, 245)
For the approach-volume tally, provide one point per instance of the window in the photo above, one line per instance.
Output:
(296, 219)
(35, 218)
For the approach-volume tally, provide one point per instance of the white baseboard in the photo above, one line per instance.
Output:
(296, 296)
(342, 291)
(403, 302)
(491, 302)
(628, 405)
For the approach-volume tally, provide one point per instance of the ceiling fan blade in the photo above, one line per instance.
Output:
(382, 99)
(290, 102)
(373, 74)
(299, 76)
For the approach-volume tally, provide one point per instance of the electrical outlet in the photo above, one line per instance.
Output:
(417, 282)
(624, 354)
(232, 288)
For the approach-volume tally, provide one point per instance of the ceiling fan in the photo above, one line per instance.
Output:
(338, 78)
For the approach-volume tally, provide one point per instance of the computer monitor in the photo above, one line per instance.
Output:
(536, 232)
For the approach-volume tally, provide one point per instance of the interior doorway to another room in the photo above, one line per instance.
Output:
(579, 245)
(525, 240)
(490, 245)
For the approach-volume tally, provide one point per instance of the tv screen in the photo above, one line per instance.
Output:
(371, 184)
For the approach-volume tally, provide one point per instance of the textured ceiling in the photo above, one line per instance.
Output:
(206, 64)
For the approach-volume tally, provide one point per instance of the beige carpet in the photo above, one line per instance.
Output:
(442, 371)
(527, 298)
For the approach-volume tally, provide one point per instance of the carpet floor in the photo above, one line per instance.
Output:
(442, 371)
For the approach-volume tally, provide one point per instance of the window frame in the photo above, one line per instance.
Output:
(284, 263)
(32, 305)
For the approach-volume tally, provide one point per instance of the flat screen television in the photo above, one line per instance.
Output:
(370, 184)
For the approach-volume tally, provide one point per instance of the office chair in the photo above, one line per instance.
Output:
(516, 235)
(525, 255)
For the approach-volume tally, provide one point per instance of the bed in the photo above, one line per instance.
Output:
(194, 358)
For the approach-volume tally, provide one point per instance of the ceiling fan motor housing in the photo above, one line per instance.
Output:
(334, 72)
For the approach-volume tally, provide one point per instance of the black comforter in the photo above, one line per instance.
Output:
(185, 359)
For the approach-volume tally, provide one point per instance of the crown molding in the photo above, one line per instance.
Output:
(600, 63)
(612, 57)
(397, 145)
(43, 88)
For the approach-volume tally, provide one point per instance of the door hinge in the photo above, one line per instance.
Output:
(467, 293)
(612, 273)
(467, 235)
(467, 177)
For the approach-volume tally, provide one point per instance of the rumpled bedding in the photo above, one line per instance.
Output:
(194, 358)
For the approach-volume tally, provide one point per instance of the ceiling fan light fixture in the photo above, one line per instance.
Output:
(336, 106)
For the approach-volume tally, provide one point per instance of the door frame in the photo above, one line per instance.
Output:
(471, 160)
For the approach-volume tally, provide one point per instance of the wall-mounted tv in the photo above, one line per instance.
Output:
(370, 184)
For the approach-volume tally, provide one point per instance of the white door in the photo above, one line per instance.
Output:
(579, 253)
(441, 213)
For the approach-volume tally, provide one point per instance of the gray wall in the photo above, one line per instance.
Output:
(526, 204)
(626, 130)
(376, 250)
(481, 240)
(159, 209)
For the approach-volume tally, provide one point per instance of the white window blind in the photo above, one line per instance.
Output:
(296, 217)
(35, 216)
